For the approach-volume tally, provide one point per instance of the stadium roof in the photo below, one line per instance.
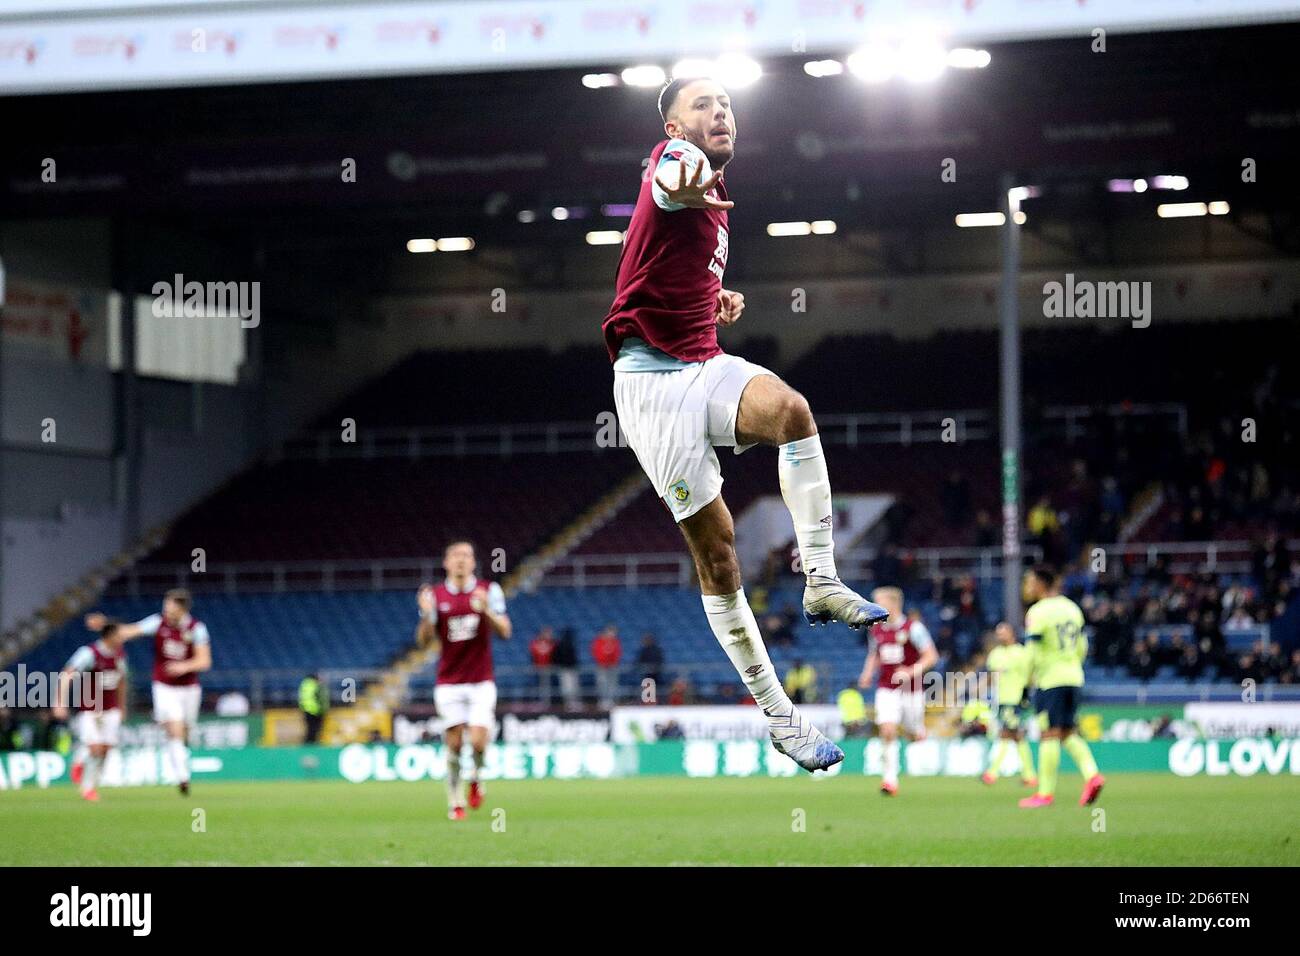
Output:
(473, 150)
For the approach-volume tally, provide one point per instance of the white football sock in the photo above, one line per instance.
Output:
(180, 759)
(480, 757)
(90, 772)
(734, 626)
(806, 488)
(454, 799)
(889, 760)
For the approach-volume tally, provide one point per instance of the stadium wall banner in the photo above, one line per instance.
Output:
(210, 733)
(1244, 720)
(111, 46)
(1205, 291)
(630, 725)
(343, 725)
(413, 727)
(362, 763)
(57, 322)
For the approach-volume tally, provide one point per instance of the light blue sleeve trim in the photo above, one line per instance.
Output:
(661, 197)
(496, 598)
(83, 659)
(922, 638)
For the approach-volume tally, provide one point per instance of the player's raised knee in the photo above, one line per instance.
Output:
(795, 416)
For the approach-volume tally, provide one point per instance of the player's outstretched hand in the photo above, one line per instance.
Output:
(730, 305)
(691, 192)
(424, 598)
(95, 621)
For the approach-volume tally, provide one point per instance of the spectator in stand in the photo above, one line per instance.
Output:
(945, 643)
(886, 568)
(1271, 660)
(1159, 570)
(955, 500)
(1112, 499)
(780, 562)
(1209, 637)
(1198, 526)
(1261, 492)
(1191, 664)
(542, 650)
(986, 532)
(1239, 619)
(778, 629)
(801, 683)
(1270, 562)
(1109, 637)
(565, 661)
(607, 652)
(1145, 659)
(1077, 514)
(650, 664)
(1292, 673)
(680, 693)
(1248, 668)
(1044, 527)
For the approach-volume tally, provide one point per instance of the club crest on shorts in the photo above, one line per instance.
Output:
(680, 492)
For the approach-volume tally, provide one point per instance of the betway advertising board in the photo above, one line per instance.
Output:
(363, 763)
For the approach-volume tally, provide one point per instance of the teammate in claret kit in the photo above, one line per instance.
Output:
(93, 682)
(461, 614)
(182, 650)
(900, 652)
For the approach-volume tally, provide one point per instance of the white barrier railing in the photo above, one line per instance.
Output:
(553, 438)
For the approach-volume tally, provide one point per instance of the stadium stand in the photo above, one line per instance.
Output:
(1152, 627)
(1062, 366)
(395, 508)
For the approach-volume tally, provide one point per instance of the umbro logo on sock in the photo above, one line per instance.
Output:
(753, 670)
(827, 521)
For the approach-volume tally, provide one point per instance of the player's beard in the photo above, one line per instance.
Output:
(716, 159)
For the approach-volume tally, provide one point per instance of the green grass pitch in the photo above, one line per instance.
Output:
(1150, 819)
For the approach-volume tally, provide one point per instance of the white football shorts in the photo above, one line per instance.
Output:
(673, 419)
(96, 727)
(172, 703)
(905, 708)
(473, 704)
